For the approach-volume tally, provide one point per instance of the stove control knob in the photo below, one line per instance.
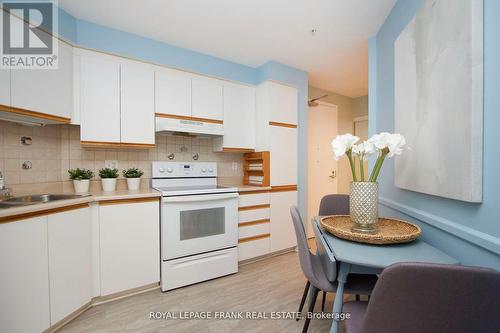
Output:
(170, 170)
(203, 170)
(210, 170)
(161, 170)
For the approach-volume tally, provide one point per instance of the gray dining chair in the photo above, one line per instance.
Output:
(316, 276)
(331, 204)
(431, 298)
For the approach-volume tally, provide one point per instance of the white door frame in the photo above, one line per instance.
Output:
(333, 106)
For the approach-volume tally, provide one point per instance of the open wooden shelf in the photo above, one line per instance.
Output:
(256, 169)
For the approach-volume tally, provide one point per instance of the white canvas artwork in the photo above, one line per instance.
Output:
(439, 100)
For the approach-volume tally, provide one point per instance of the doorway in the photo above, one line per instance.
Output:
(361, 131)
(322, 127)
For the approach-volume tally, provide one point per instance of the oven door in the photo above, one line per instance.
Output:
(195, 224)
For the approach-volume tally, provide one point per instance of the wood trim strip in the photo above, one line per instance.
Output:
(237, 150)
(105, 202)
(23, 216)
(252, 238)
(254, 207)
(253, 192)
(275, 123)
(35, 114)
(174, 116)
(207, 120)
(104, 144)
(246, 224)
(284, 188)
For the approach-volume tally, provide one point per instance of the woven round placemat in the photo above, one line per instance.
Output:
(389, 231)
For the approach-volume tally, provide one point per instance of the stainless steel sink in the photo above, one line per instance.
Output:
(34, 199)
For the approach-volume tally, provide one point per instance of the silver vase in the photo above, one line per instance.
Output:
(363, 206)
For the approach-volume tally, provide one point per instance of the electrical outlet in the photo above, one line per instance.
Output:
(112, 164)
(234, 166)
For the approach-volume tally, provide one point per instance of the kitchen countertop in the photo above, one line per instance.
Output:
(250, 188)
(97, 196)
(94, 196)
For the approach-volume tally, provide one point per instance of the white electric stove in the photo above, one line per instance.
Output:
(199, 223)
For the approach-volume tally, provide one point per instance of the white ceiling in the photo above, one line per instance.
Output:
(252, 32)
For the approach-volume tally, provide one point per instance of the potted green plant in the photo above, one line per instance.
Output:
(81, 179)
(133, 176)
(108, 179)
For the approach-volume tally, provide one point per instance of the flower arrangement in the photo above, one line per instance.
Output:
(383, 145)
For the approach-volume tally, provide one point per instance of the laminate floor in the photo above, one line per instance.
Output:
(272, 284)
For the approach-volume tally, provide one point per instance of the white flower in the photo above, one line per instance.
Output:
(393, 142)
(342, 143)
(364, 149)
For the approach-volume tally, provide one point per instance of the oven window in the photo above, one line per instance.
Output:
(202, 223)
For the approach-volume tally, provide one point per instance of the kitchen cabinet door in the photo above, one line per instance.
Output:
(70, 262)
(137, 104)
(239, 118)
(48, 91)
(24, 287)
(283, 157)
(130, 245)
(282, 103)
(99, 99)
(172, 92)
(207, 99)
(282, 231)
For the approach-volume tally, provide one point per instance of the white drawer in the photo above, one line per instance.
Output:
(253, 230)
(254, 199)
(253, 215)
(253, 249)
(184, 271)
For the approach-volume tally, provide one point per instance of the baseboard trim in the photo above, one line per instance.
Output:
(481, 239)
(101, 300)
(266, 256)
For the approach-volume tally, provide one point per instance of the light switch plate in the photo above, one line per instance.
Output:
(112, 164)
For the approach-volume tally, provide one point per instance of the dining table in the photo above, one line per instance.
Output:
(353, 257)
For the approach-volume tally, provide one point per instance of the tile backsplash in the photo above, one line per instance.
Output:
(56, 148)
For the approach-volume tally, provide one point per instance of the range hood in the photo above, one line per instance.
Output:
(194, 126)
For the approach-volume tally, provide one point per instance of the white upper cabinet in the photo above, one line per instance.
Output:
(172, 92)
(239, 119)
(207, 98)
(70, 262)
(24, 287)
(48, 91)
(283, 157)
(99, 99)
(279, 102)
(137, 104)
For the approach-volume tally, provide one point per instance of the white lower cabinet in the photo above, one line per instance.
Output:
(24, 287)
(70, 262)
(129, 245)
(253, 225)
(282, 230)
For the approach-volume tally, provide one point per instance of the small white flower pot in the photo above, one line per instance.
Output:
(108, 184)
(81, 186)
(133, 183)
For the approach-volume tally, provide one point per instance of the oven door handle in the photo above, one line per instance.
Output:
(197, 198)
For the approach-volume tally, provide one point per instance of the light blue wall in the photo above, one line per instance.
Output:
(93, 36)
(470, 232)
